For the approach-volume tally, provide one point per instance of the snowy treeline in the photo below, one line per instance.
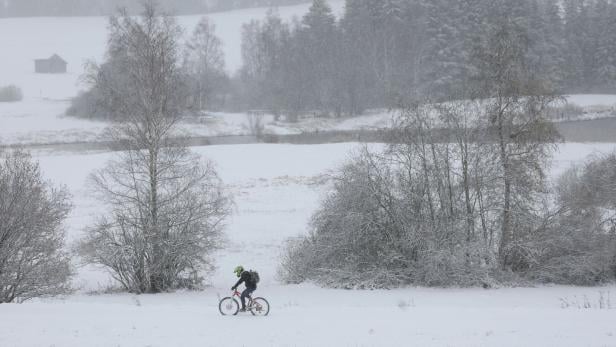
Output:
(386, 53)
(22, 8)
(382, 51)
(201, 79)
(460, 196)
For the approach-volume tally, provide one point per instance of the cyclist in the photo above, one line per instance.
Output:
(246, 278)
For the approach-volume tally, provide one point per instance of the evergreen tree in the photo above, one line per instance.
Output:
(605, 32)
(358, 78)
(443, 54)
(573, 31)
(553, 51)
(316, 42)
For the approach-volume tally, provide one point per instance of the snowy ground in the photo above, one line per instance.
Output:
(315, 317)
(276, 189)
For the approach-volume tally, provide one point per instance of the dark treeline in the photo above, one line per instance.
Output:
(383, 54)
(380, 51)
(28, 8)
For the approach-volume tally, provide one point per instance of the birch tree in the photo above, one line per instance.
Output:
(516, 119)
(204, 63)
(165, 207)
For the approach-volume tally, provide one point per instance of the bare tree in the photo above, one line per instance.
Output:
(166, 208)
(32, 212)
(204, 63)
(518, 107)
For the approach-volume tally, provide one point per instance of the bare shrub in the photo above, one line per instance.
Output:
(406, 304)
(32, 260)
(87, 105)
(602, 301)
(580, 246)
(564, 112)
(10, 93)
(255, 123)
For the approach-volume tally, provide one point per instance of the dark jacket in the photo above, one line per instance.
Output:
(247, 279)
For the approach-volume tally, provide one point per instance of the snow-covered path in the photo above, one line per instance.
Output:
(306, 316)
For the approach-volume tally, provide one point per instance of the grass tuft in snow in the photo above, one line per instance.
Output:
(602, 301)
(406, 304)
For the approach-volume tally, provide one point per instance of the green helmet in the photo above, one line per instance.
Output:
(238, 270)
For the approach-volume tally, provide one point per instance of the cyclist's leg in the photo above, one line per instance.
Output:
(243, 297)
(246, 293)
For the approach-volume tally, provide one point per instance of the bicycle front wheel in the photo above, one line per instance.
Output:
(228, 306)
(259, 307)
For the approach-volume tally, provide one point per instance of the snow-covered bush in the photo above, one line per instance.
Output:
(436, 208)
(10, 94)
(580, 246)
(32, 260)
(372, 232)
(88, 105)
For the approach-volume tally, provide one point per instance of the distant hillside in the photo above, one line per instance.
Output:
(36, 8)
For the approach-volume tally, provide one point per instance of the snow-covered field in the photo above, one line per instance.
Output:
(276, 189)
(305, 316)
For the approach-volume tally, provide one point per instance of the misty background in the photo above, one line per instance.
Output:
(28, 8)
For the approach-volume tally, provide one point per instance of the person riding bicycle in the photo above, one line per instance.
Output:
(248, 280)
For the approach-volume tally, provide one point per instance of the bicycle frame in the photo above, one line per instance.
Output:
(249, 303)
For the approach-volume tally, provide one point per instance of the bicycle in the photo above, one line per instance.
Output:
(230, 305)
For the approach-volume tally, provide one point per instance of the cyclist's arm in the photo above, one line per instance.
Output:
(245, 276)
(239, 282)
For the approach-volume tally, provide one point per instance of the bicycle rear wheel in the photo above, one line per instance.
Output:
(228, 306)
(259, 307)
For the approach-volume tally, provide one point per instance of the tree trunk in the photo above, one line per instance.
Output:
(506, 214)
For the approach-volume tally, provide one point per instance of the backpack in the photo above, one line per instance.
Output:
(254, 276)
